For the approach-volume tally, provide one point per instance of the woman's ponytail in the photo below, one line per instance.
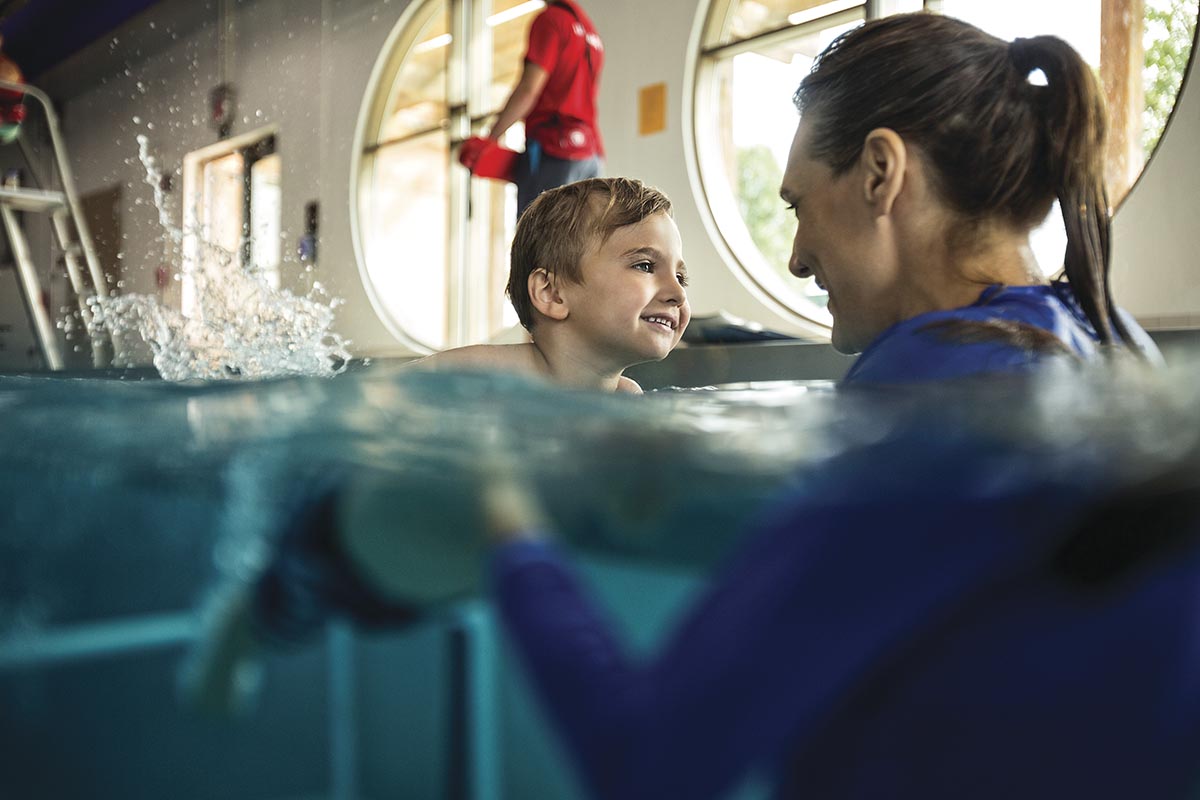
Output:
(1071, 110)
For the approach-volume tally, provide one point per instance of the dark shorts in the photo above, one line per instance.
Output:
(549, 173)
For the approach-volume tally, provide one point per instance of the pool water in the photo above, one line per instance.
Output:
(124, 503)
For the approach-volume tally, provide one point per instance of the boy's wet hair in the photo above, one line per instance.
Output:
(561, 224)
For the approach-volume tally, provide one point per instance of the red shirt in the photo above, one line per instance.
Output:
(566, 45)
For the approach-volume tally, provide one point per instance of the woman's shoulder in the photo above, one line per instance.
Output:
(1008, 329)
(910, 354)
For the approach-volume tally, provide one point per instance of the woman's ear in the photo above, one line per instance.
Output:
(884, 160)
(544, 295)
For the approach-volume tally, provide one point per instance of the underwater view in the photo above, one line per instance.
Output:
(910, 506)
(131, 507)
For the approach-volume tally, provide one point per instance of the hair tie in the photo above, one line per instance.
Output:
(1021, 52)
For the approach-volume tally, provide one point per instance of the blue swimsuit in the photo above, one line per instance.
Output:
(915, 351)
(910, 624)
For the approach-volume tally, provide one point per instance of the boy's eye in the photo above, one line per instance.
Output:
(683, 279)
(644, 266)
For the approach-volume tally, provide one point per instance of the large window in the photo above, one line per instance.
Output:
(432, 244)
(234, 212)
(755, 52)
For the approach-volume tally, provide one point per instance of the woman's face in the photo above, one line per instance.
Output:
(843, 242)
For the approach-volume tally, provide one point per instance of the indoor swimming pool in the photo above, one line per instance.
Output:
(127, 503)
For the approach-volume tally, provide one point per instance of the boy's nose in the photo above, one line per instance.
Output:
(671, 290)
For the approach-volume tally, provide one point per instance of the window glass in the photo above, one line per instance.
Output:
(434, 243)
(221, 205)
(418, 92)
(266, 218)
(750, 93)
(406, 244)
(509, 24)
(749, 18)
(234, 215)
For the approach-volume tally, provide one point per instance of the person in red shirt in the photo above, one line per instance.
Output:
(556, 96)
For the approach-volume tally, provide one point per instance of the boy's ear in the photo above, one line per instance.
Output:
(884, 159)
(544, 295)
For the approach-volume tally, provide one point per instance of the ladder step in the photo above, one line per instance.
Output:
(37, 200)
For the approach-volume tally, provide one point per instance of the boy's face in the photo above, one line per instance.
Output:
(631, 306)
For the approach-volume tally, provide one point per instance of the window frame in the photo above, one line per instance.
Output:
(475, 311)
(250, 147)
(707, 161)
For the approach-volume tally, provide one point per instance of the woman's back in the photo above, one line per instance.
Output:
(1041, 686)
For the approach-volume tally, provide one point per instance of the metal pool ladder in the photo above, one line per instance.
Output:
(64, 210)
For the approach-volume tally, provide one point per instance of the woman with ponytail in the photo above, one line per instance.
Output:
(947, 610)
(927, 151)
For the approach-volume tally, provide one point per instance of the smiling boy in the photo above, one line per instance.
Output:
(597, 278)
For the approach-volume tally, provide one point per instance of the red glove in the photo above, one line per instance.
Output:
(472, 149)
(13, 114)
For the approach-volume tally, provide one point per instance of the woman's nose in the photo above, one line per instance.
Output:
(795, 267)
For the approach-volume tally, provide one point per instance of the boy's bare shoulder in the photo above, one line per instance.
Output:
(522, 358)
(628, 386)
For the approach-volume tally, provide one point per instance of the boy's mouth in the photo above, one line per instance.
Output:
(659, 319)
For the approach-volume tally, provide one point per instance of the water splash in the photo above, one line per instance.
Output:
(240, 327)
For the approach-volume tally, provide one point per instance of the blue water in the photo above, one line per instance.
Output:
(113, 473)
(122, 504)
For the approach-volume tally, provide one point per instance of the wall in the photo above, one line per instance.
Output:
(303, 66)
(300, 66)
(1156, 274)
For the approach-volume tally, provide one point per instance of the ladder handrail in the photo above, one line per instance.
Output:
(68, 181)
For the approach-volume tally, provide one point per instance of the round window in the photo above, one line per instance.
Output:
(431, 243)
(754, 54)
